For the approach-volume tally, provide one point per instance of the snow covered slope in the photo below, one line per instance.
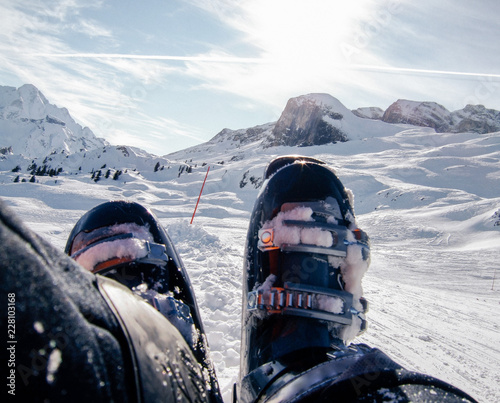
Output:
(430, 202)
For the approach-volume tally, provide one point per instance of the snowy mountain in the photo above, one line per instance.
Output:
(372, 112)
(317, 119)
(313, 119)
(429, 201)
(477, 119)
(472, 118)
(31, 126)
(427, 114)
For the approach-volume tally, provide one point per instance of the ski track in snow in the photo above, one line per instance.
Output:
(427, 201)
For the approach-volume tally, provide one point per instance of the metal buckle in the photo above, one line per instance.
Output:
(302, 300)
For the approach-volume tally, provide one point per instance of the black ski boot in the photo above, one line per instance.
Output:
(125, 242)
(302, 297)
(305, 258)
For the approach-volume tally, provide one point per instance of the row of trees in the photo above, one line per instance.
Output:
(96, 175)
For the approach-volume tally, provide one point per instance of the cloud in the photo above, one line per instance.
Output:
(210, 58)
(105, 93)
(388, 49)
(91, 29)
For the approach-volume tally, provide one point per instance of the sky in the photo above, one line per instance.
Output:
(164, 75)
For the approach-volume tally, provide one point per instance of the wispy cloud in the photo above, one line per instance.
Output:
(105, 92)
(421, 71)
(357, 50)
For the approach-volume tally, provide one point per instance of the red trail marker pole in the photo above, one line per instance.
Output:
(199, 197)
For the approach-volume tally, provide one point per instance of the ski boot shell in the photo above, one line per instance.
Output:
(302, 299)
(125, 242)
(297, 302)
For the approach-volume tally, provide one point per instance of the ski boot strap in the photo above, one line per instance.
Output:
(306, 301)
(342, 237)
(151, 253)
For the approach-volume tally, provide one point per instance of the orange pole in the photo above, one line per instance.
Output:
(199, 197)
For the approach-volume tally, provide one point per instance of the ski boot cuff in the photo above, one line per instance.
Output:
(356, 373)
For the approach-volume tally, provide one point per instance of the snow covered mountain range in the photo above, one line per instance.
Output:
(472, 118)
(430, 202)
(31, 126)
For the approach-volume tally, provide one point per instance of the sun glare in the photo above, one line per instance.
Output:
(303, 32)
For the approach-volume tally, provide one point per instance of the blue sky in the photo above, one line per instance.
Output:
(166, 75)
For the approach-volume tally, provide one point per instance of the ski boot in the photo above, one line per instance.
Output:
(302, 299)
(124, 241)
(305, 257)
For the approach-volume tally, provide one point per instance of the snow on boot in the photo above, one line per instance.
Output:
(305, 257)
(125, 242)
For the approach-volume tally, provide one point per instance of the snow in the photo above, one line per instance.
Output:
(295, 235)
(54, 361)
(330, 304)
(428, 201)
(107, 250)
(38, 326)
(116, 248)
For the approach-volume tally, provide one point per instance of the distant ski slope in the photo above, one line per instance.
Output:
(429, 203)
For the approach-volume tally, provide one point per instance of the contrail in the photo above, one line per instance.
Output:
(255, 60)
(422, 71)
(214, 59)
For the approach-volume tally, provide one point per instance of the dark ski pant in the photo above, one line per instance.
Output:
(65, 341)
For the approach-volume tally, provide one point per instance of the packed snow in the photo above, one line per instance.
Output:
(429, 202)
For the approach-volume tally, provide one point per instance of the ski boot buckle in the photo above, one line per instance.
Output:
(305, 301)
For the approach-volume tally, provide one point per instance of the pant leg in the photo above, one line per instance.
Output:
(66, 342)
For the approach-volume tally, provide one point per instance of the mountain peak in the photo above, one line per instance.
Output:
(428, 114)
(321, 99)
(34, 127)
(317, 119)
(308, 120)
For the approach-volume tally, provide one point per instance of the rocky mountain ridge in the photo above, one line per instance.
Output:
(30, 125)
(472, 118)
(308, 120)
(317, 119)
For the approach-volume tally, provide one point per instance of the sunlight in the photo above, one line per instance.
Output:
(301, 46)
(302, 34)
